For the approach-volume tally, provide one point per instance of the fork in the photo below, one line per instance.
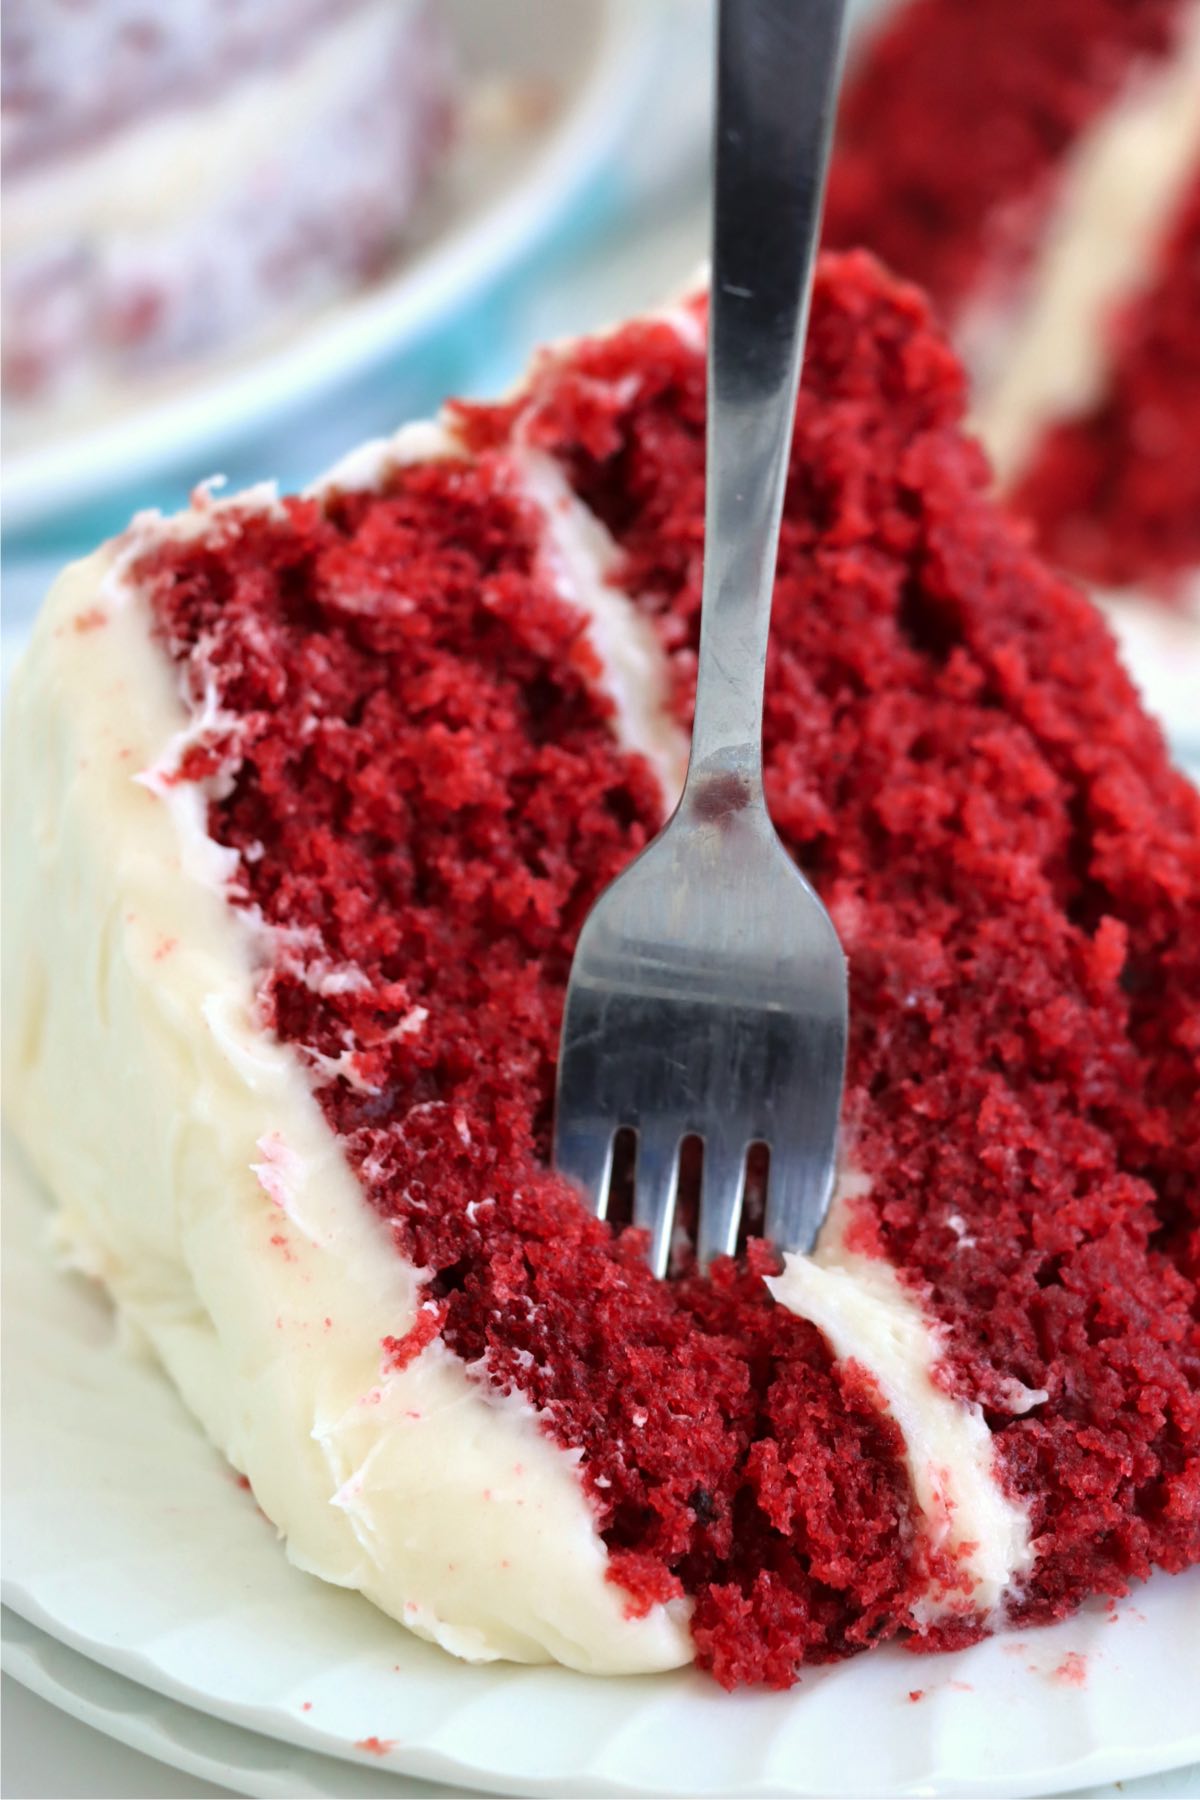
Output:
(708, 993)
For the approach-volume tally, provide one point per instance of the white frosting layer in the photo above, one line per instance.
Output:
(1123, 182)
(198, 1178)
(867, 1315)
(582, 558)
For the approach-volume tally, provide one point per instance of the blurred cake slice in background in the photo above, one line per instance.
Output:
(178, 178)
(1036, 165)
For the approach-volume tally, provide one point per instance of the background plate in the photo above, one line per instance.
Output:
(182, 1738)
(195, 1742)
(128, 1538)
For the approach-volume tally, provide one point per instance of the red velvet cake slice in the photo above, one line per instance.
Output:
(310, 798)
(1036, 165)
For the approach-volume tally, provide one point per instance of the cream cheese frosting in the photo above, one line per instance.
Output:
(189, 158)
(201, 1182)
(582, 558)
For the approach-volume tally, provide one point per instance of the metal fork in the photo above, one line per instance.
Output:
(708, 992)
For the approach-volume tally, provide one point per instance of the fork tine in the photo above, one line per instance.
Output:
(583, 1152)
(656, 1184)
(799, 1183)
(722, 1190)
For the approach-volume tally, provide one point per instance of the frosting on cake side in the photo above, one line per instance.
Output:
(201, 1184)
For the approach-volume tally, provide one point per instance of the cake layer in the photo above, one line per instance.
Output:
(417, 720)
(956, 760)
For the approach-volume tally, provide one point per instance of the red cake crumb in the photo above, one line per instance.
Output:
(1072, 1670)
(1115, 495)
(953, 129)
(403, 1350)
(645, 1580)
(377, 1746)
(425, 791)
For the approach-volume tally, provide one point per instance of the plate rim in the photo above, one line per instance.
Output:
(150, 1723)
(35, 1590)
(1096, 1767)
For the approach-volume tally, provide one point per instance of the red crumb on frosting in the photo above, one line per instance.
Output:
(425, 791)
(1072, 1670)
(1015, 80)
(916, 1694)
(90, 619)
(400, 1351)
(377, 1746)
(1115, 495)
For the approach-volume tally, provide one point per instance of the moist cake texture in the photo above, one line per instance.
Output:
(418, 752)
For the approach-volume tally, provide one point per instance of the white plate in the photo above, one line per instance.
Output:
(183, 1739)
(129, 1539)
(202, 1746)
(494, 202)
(1161, 651)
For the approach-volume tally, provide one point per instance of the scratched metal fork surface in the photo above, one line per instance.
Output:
(708, 993)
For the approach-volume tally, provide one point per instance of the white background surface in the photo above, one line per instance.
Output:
(48, 1756)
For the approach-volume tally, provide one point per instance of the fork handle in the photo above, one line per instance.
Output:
(777, 65)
